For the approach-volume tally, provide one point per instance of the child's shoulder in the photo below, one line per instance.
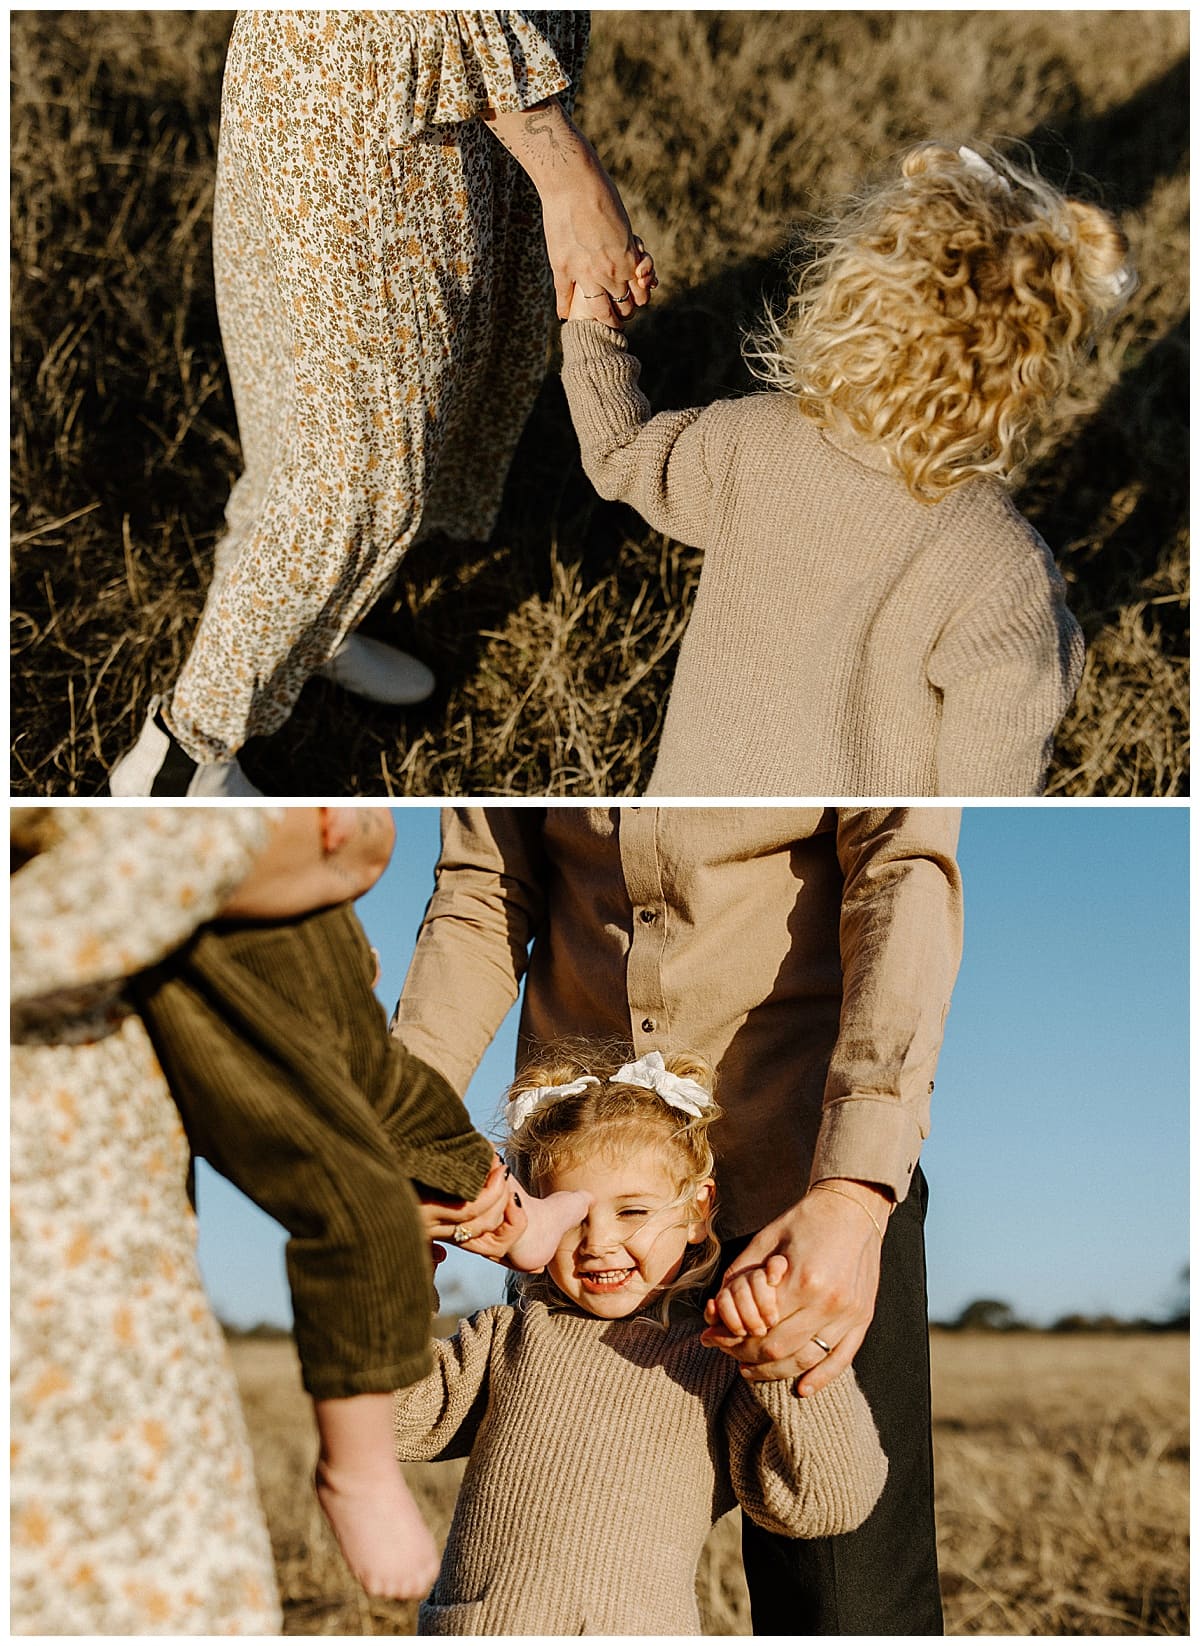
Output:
(496, 1320)
(983, 516)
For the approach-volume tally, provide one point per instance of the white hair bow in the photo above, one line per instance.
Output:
(1123, 283)
(519, 1109)
(976, 163)
(649, 1071)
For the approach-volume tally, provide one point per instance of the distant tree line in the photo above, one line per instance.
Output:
(992, 1314)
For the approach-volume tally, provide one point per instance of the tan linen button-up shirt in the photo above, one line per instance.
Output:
(807, 953)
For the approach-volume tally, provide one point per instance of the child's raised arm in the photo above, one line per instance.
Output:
(439, 1416)
(670, 468)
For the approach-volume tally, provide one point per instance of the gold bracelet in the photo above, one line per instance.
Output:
(854, 1201)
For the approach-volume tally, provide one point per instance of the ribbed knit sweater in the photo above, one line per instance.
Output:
(847, 640)
(601, 1452)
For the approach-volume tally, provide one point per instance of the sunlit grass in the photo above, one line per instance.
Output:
(554, 644)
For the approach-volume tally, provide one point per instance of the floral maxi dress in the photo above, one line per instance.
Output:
(384, 298)
(133, 1501)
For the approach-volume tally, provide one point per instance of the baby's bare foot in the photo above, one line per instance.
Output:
(547, 1221)
(376, 1521)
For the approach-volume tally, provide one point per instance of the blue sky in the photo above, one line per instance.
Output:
(1058, 1161)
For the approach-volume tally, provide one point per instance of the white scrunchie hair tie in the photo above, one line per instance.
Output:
(973, 162)
(1122, 284)
(650, 1072)
(518, 1110)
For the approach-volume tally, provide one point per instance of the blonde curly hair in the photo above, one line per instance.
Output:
(606, 1119)
(945, 311)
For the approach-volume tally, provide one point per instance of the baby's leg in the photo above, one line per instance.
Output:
(367, 1502)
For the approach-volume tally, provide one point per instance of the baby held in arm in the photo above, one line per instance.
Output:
(278, 1056)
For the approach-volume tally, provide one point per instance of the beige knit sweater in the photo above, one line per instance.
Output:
(601, 1452)
(847, 641)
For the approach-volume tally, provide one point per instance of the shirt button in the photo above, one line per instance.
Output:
(648, 916)
(649, 1024)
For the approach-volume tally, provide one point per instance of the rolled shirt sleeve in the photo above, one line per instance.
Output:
(901, 942)
(472, 949)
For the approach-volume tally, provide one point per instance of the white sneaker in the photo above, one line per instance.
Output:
(159, 767)
(384, 674)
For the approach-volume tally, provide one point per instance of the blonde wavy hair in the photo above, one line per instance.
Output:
(945, 311)
(607, 1119)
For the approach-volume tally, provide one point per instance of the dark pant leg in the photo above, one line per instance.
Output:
(883, 1578)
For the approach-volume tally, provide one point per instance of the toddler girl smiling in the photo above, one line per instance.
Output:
(603, 1438)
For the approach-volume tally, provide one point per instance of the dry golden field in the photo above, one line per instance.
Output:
(1062, 1491)
(554, 643)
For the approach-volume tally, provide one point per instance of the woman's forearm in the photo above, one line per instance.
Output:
(545, 142)
(588, 235)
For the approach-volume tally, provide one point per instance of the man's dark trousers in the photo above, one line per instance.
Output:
(883, 1578)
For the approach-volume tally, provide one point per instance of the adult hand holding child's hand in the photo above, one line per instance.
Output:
(641, 283)
(827, 1292)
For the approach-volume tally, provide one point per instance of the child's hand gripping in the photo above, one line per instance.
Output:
(644, 279)
(367, 1502)
(747, 1304)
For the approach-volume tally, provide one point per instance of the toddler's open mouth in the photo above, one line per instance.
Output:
(604, 1280)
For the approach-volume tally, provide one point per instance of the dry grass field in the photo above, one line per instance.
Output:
(554, 643)
(1062, 1492)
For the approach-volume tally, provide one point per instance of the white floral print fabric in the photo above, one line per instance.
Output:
(133, 1503)
(384, 298)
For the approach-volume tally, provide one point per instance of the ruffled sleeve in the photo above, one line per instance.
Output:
(123, 888)
(463, 64)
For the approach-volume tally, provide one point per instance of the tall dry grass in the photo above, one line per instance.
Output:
(1062, 1492)
(554, 643)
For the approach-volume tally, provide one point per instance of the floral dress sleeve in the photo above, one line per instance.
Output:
(121, 889)
(468, 63)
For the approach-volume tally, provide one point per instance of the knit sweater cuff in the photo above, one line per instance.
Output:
(841, 1466)
(591, 342)
(874, 1139)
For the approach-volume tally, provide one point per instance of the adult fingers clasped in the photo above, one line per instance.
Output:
(592, 296)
